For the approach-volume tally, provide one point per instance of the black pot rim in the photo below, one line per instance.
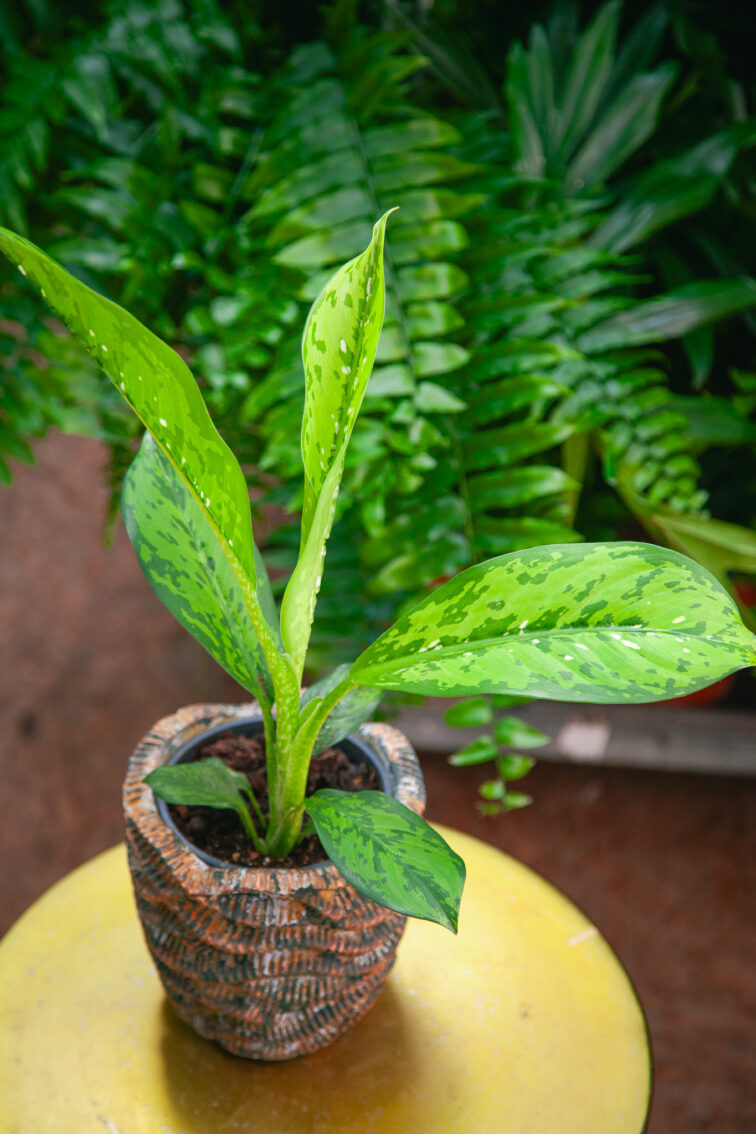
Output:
(354, 746)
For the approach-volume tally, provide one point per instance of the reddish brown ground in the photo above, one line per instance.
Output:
(663, 864)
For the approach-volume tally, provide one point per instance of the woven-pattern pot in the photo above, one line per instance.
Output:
(270, 962)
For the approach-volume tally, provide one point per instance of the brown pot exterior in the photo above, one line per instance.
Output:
(270, 962)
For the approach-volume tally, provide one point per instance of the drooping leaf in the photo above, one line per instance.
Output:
(203, 783)
(594, 622)
(338, 348)
(389, 854)
(182, 560)
(157, 384)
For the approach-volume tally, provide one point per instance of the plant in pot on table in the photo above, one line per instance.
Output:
(277, 956)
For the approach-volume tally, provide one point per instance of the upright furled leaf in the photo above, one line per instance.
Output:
(338, 348)
(159, 387)
(180, 556)
(593, 622)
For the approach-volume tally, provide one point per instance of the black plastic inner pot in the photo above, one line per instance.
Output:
(357, 750)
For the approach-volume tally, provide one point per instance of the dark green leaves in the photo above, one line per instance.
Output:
(205, 783)
(597, 622)
(671, 316)
(390, 854)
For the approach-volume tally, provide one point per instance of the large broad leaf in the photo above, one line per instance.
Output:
(389, 854)
(338, 348)
(159, 387)
(591, 622)
(180, 556)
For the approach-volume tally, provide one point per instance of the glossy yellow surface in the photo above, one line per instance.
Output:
(523, 1024)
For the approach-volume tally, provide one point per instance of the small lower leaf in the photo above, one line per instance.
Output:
(517, 799)
(472, 713)
(389, 853)
(513, 766)
(513, 731)
(493, 789)
(476, 752)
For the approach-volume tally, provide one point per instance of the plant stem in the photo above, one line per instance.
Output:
(249, 828)
(284, 827)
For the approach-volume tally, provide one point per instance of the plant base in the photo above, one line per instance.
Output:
(270, 962)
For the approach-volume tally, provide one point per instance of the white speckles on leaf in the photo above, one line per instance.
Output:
(680, 618)
(164, 423)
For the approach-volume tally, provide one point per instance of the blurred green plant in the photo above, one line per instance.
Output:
(502, 733)
(194, 166)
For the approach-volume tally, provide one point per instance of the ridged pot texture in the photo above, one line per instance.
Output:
(271, 962)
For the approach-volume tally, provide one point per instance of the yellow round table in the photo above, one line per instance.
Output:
(525, 1023)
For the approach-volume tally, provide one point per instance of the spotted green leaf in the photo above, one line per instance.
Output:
(183, 562)
(204, 783)
(338, 348)
(159, 387)
(603, 623)
(389, 854)
(354, 708)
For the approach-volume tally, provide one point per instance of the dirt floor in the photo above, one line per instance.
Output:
(664, 864)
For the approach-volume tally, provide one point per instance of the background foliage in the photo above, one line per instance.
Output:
(574, 233)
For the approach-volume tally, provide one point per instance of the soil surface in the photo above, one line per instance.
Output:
(220, 832)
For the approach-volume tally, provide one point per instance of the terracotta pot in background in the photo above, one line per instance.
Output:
(271, 962)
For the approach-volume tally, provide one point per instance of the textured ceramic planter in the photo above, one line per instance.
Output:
(271, 962)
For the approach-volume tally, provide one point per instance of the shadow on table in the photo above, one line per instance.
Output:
(371, 1067)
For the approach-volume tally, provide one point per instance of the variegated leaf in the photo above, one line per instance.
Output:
(389, 853)
(338, 348)
(159, 387)
(354, 708)
(593, 622)
(183, 562)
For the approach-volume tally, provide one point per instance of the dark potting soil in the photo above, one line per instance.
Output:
(220, 832)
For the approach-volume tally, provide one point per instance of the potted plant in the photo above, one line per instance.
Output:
(278, 957)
